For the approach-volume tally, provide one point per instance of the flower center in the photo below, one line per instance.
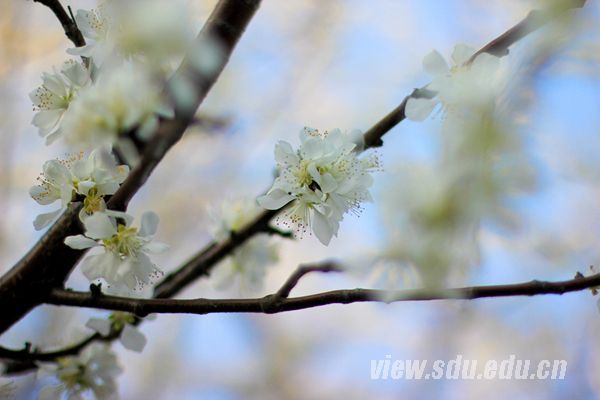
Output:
(93, 202)
(125, 242)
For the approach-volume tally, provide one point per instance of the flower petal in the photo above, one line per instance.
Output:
(80, 242)
(462, 53)
(149, 224)
(99, 226)
(321, 228)
(434, 64)
(43, 195)
(47, 119)
(43, 220)
(155, 247)
(132, 339)
(419, 109)
(102, 326)
(275, 199)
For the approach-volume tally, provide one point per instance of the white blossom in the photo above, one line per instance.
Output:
(120, 101)
(246, 267)
(92, 178)
(95, 369)
(131, 338)
(52, 99)
(151, 31)
(324, 179)
(94, 26)
(124, 264)
(464, 84)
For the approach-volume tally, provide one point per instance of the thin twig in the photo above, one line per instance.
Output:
(143, 307)
(68, 24)
(301, 271)
(280, 302)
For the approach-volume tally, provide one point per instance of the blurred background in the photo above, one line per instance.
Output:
(344, 64)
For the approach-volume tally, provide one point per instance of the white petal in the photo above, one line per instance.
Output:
(284, 153)
(434, 64)
(275, 199)
(462, 53)
(155, 247)
(66, 193)
(47, 119)
(132, 339)
(102, 326)
(120, 214)
(82, 169)
(76, 73)
(80, 242)
(43, 220)
(419, 109)
(100, 266)
(51, 138)
(107, 188)
(84, 187)
(149, 224)
(56, 172)
(358, 138)
(328, 183)
(43, 195)
(321, 228)
(99, 226)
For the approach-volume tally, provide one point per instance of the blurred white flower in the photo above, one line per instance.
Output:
(120, 101)
(131, 338)
(150, 31)
(464, 84)
(324, 178)
(125, 263)
(95, 369)
(93, 178)
(246, 267)
(51, 100)
(94, 26)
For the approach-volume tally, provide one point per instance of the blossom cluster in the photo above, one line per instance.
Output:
(324, 179)
(443, 206)
(102, 106)
(107, 105)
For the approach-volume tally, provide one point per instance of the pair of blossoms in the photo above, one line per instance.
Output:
(124, 264)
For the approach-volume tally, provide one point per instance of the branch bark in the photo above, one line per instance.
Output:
(267, 304)
(68, 24)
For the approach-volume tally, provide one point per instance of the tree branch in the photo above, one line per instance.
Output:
(143, 307)
(68, 24)
(294, 279)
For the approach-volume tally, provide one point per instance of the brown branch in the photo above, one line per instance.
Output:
(201, 264)
(22, 360)
(143, 307)
(68, 24)
(49, 262)
(301, 271)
